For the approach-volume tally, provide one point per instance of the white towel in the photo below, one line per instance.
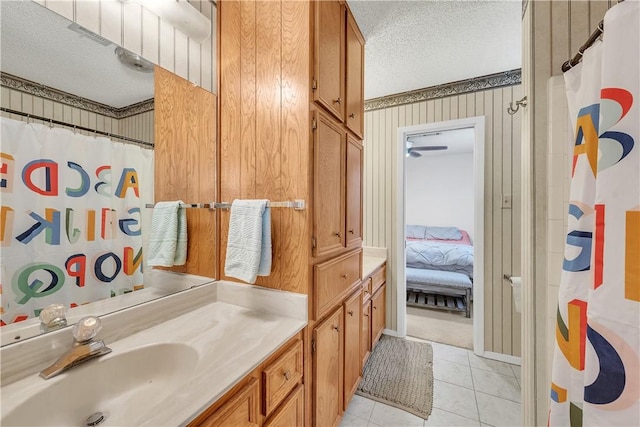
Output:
(249, 241)
(168, 239)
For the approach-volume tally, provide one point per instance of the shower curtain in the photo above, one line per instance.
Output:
(596, 377)
(71, 208)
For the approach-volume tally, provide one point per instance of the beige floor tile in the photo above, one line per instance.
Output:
(440, 418)
(495, 384)
(386, 415)
(451, 372)
(450, 353)
(490, 365)
(361, 407)
(498, 412)
(350, 420)
(454, 398)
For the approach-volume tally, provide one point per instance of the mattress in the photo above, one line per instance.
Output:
(434, 255)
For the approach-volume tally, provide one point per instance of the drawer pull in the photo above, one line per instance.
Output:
(287, 375)
(337, 328)
(375, 308)
(366, 315)
(344, 276)
(352, 115)
(338, 100)
(350, 312)
(337, 234)
(351, 231)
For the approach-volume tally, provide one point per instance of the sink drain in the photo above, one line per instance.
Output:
(95, 419)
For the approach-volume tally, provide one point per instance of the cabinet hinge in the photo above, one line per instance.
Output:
(313, 242)
(313, 346)
(314, 124)
(314, 84)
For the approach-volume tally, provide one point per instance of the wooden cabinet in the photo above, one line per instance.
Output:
(352, 359)
(329, 56)
(328, 338)
(377, 315)
(291, 412)
(355, 160)
(355, 80)
(334, 280)
(240, 410)
(328, 185)
(365, 338)
(282, 376)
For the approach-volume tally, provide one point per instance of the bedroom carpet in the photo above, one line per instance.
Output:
(400, 373)
(440, 326)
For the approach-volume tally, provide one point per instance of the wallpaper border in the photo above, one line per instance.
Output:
(476, 84)
(55, 95)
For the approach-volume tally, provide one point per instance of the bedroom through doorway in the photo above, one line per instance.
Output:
(440, 287)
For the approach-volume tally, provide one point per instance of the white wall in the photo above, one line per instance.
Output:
(439, 191)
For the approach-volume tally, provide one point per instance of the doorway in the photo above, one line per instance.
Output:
(411, 145)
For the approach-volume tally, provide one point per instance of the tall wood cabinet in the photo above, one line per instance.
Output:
(290, 127)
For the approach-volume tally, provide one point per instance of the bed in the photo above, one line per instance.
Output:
(439, 268)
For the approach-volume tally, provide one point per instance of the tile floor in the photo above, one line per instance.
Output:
(467, 391)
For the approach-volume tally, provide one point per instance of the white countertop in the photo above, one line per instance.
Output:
(232, 335)
(371, 264)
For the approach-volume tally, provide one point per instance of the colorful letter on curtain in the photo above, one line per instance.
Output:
(596, 365)
(70, 217)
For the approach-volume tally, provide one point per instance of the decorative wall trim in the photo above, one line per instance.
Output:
(476, 84)
(52, 94)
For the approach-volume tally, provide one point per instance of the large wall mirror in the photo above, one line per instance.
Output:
(69, 83)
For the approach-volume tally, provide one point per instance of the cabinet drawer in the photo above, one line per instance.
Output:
(282, 376)
(366, 289)
(333, 280)
(241, 409)
(378, 278)
(291, 413)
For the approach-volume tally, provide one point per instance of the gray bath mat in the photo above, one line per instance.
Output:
(400, 373)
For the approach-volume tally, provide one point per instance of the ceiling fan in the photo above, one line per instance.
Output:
(416, 151)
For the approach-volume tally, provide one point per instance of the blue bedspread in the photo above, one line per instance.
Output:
(440, 256)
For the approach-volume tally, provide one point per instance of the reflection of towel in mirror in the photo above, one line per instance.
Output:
(168, 238)
(249, 241)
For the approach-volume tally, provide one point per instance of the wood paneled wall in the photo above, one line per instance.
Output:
(557, 30)
(185, 162)
(139, 126)
(131, 26)
(265, 127)
(502, 226)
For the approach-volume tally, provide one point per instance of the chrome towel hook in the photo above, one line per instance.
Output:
(522, 102)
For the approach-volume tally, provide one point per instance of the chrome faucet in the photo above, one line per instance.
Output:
(84, 347)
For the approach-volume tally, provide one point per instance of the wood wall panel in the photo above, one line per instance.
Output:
(264, 72)
(129, 25)
(502, 159)
(185, 162)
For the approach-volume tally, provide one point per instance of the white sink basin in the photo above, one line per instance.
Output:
(118, 385)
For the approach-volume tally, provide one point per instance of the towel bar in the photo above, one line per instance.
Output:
(298, 205)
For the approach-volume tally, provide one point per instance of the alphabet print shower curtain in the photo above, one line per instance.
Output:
(70, 217)
(596, 375)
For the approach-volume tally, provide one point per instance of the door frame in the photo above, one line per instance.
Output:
(398, 226)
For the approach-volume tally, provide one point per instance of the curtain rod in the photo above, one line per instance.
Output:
(590, 41)
(76, 127)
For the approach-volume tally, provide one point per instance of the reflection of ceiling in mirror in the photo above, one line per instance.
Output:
(37, 45)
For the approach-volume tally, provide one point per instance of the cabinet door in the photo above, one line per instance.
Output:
(291, 412)
(327, 370)
(328, 185)
(354, 192)
(377, 315)
(365, 345)
(241, 410)
(328, 56)
(355, 80)
(352, 359)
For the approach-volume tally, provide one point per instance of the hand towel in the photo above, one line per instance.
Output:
(249, 240)
(168, 238)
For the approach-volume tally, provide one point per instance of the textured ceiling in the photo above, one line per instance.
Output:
(417, 44)
(37, 45)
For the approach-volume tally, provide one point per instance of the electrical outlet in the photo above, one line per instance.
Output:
(506, 201)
